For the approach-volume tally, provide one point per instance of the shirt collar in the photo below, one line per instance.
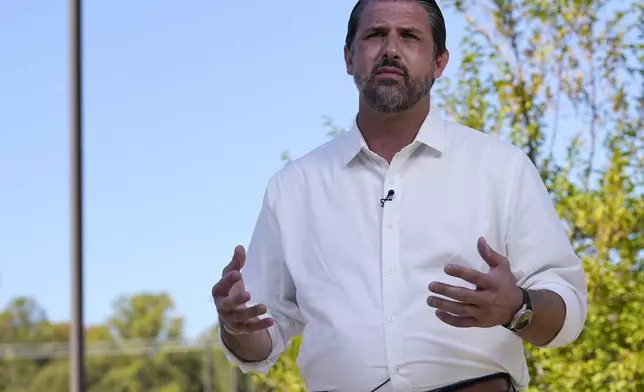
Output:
(431, 134)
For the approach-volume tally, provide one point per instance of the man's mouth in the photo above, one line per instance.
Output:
(390, 71)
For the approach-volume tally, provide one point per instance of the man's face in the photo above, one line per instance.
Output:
(392, 59)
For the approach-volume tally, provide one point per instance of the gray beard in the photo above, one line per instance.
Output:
(391, 96)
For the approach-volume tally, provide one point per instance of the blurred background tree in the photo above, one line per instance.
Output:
(140, 348)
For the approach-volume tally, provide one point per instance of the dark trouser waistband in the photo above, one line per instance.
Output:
(466, 384)
(462, 385)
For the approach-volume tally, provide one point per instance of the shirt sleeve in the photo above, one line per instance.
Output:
(269, 282)
(540, 251)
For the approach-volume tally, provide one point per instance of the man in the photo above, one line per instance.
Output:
(411, 253)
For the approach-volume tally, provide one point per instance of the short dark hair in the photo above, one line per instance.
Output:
(436, 23)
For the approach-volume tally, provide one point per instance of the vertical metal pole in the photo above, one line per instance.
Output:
(76, 333)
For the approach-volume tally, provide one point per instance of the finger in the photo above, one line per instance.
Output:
(460, 294)
(477, 278)
(222, 288)
(238, 260)
(242, 314)
(231, 302)
(456, 308)
(491, 257)
(456, 321)
(252, 325)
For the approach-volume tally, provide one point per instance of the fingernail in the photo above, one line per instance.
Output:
(488, 249)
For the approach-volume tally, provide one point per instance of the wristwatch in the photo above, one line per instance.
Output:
(523, 316)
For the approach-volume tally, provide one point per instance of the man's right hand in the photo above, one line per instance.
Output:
(230, 298)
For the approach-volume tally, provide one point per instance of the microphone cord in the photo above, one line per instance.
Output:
(378, 387)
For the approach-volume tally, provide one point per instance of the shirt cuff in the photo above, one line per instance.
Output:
(575, 315)
(259, 366)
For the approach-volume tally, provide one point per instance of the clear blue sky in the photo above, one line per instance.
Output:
(188, 107)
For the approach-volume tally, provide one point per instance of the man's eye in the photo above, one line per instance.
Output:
(409, 36)
(376, 34)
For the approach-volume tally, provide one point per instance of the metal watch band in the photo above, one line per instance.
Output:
(527, 301)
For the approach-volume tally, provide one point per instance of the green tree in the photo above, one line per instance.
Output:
(23, 321)
(284, 376)
(145, 318)
(563, 80)
(136, 350)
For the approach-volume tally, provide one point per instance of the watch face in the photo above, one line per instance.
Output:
(523, 320)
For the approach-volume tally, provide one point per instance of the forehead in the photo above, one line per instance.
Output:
(394, 13)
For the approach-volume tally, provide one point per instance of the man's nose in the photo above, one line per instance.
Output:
(390, 48)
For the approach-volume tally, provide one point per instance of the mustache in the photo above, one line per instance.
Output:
(389, 63)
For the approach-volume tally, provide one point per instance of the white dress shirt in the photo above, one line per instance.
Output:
(352, 277)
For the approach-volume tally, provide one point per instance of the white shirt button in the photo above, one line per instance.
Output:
(396, 370)
(391, 319)
(390, 226)
(390, 272)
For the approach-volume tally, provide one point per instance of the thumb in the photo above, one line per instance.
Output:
(491, 257)
(238, 260)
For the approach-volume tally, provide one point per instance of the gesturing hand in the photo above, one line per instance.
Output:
(231, 296)
(494, 301)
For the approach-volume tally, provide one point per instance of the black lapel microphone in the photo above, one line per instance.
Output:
(390, 197)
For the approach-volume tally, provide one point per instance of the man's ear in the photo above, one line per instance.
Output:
(348, 60)
(441, 63)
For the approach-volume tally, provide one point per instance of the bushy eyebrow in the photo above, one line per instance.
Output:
(376, 28)
(382, 24)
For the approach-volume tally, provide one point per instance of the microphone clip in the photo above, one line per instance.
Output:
(390, 197)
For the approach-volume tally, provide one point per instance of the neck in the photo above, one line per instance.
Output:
(388, 133)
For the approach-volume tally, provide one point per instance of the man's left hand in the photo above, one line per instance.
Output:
(494, 302)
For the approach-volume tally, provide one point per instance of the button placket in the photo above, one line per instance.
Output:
(391, 263)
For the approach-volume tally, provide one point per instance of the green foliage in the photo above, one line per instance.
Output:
(563, 80)
(284, 376)
(144, 316)
(135, 351)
